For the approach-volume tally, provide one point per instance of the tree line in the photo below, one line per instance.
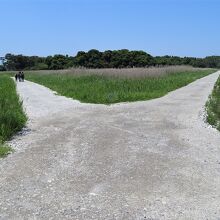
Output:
(107, 59)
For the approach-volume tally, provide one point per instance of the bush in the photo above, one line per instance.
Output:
(40, 66)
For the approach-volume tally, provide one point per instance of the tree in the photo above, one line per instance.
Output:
(2, 68)
(107, 59)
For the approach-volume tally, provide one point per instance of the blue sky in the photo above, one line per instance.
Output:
(159, 27)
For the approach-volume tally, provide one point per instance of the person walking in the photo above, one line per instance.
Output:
(16, 77)
(22, 76)
(19, 76)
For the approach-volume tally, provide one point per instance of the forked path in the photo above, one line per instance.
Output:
(146, 160)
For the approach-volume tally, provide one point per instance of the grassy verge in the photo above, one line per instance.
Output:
(112, 89)
(12, 117)
(213, 106)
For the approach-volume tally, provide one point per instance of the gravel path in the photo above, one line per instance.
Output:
(146, 160)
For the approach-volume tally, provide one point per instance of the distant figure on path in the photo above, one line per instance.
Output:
(16, 77)
(19, 76)
(22, 76)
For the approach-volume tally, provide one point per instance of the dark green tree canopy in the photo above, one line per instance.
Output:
(107, 59)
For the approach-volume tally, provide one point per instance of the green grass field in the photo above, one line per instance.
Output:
(12, 117)
(213, 106)
(113, 89)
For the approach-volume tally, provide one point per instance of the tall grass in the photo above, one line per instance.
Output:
(12, 117)
(110, 88)
(213, 106)
(125, 72)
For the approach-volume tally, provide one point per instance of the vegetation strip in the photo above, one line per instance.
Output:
(107, 59)
(12, 117)
(112, 89)
(213, 106)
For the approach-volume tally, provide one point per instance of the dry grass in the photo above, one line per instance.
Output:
(126, 72)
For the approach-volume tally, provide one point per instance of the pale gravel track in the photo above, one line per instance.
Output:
(146, 160)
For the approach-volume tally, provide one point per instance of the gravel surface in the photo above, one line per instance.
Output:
(150, 160)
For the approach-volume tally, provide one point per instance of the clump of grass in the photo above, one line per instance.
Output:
(12, 117)
(5, 150)
(213, 106)
(107, 89)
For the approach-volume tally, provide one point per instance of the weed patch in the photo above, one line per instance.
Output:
(5, 150)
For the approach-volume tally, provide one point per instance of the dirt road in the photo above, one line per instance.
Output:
(146, 160)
